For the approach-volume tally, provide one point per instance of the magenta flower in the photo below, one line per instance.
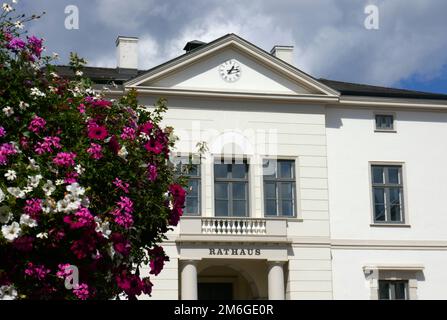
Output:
(33, 208)
(36, 271)
(6, 149)
(16, 44)
(71, 177)
(97, 132)
(128, 133)
(81, 108)
(64, 271)
(2, 132)
(37, 124)
(158, 258)
(120, 184)
(132, 285)
(81, 219)
(146, 127)
(120, 244)
(65, 159)
(123, 212)
(154, 146)
(47, 145)
(152, 172)
(95, 151)
(81, 291)
(36, 45)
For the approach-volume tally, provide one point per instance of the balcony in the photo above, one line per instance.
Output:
(233, 229)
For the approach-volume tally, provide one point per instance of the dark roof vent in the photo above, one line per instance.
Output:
(191, 45)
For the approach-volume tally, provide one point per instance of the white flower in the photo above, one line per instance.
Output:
(48, 188)
(37, 93)
(8, 111)
(11, 175)
(2, 196)
(48, 206)
(27, 189)
(54, 75)
(60, 182)
(111, 251)
(5, 214)
(32, 164)
(6, 7)
(42, 235)
(11, 232)
(103, 228)
(79, 169)
(26, 220)
(56, 56)
(8, 293)
(16, 192)
(33, 181)
(79, 73)
(75, 189)
(123, 152)
(23, 105)
(144, 136)
(19, 24)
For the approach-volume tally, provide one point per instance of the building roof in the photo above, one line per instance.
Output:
(102, 76)
(357, 89)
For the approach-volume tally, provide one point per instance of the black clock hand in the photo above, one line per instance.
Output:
(231, 70)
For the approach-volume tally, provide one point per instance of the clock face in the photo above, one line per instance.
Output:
(230, 71)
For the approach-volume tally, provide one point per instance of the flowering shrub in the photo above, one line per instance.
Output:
(84, 181)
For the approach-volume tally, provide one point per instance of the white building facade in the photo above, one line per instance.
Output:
(308, 188)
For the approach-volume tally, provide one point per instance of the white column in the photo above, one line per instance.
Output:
(276, 280)
(189, 280)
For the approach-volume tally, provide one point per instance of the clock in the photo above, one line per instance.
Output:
(230, 70)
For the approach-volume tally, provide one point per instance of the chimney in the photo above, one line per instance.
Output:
(127, 52)
(191, 45)
(285, 53)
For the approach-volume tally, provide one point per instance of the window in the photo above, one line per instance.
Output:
(387, 188)
(191, 171)
(279, 187)
(384, 122)
(393, 290)
(231, 188)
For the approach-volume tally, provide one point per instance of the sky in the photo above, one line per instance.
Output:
(408, 50)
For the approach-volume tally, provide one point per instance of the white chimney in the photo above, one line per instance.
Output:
(284, 53)
(127, 52)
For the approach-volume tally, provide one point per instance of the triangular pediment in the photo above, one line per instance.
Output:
(258, 72)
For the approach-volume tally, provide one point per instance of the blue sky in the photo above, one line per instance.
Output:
(408, 50)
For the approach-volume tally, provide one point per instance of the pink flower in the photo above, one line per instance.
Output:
(95, 151)
(152, 172)
(81, 108)
(178, 194)
(36, 271)
(33, 208)
(154, 146)
(2, 132)
(16, 44)
(47, 145)
(71, 177)
(81, 219)
(124, 186)
(81, 291)
(120, 244)
(35, 44)
(97, 132)
(64, 271)
(146, 127)
(85, 246)
(6, 149)
(128, 133)
(65, 159)
(37, 124)
(123, 212)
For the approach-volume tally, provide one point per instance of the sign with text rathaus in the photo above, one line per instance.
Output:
(307, 188)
